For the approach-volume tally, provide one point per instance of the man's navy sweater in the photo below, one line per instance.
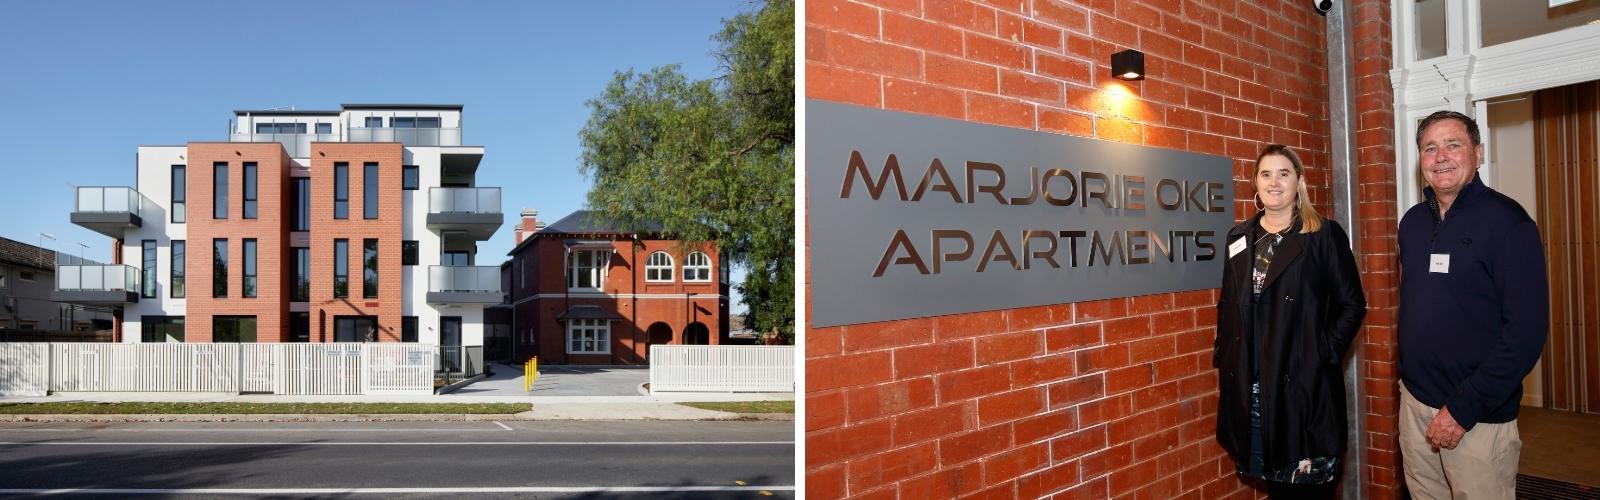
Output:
(1469, 336)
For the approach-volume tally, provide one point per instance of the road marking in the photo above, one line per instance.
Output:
(502, 426)
(401, 443)
(388, 491)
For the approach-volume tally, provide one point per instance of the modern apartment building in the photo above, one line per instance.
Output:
(352, 225)
(586, 291)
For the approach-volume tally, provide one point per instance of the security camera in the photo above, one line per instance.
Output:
(1322, 6)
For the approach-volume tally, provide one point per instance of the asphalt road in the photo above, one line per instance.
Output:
(522, 459)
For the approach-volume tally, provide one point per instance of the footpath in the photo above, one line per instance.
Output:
(563, 402)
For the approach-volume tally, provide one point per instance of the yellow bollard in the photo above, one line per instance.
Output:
(530, 373)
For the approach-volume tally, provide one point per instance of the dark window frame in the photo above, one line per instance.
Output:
(150, 251)
(369, 190)
(251, 186)
(411, 177)
(219, 190)
(300, 259)
(369, 268)
(249, 283)
(408, 329)
(341, 268)
(341, 190)
(300, 191)
(409, 251)
(367, 122)
(219, 267)
(238, 322)
(178, 269)
(180, 194)
(160, 326)
(320, 126)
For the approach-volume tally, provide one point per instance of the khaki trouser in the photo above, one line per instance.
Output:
(1482, 466)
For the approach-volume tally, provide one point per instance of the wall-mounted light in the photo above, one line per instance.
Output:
(1128, 65)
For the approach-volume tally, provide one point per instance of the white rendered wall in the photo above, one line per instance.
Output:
(155, 184)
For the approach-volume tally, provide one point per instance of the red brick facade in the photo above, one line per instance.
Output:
(1099, 399)
(270, 306)
(650, 313)
(387, 229)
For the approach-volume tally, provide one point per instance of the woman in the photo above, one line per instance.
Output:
(1290, 306)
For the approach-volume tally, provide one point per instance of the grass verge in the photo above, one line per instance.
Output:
(255, 408)
(746, 406)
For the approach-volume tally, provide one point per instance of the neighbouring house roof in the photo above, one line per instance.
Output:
(20, 253)
(586, 225)
(588, 312)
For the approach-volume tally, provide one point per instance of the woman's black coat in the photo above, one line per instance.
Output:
(1314, 307)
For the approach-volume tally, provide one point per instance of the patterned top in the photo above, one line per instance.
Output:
(1265, 246)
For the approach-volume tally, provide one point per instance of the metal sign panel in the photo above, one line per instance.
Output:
(913, 216)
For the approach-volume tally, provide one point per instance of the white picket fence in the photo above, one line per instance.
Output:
(721, 368)
(334, 368)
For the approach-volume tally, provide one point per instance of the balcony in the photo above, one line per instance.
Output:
(464, 285)
(105, 285)
(473, 211)
(408, 136)
(108, 210)
(298, 145)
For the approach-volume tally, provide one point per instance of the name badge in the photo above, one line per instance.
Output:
(1236, 247)
(1440, 263)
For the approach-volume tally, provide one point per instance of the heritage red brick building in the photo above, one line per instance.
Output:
(1107, 398)
(586, 291)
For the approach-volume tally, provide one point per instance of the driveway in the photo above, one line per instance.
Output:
(560, 380)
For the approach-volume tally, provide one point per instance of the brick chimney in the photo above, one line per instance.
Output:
(529, 225)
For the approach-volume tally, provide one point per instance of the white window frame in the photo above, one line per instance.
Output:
(658, 270)
(702, 268)
(597, 331)
(600, 265)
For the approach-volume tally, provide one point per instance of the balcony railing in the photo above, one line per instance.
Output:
(98, 199)
(106, 278)
(408, 136)
(476, 279)
(464, 200)
(298, 145)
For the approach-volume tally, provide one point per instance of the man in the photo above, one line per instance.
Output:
(1474, 314)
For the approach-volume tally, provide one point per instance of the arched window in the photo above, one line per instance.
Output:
(697, 267)
(658, 267)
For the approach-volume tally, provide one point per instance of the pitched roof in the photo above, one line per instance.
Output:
(592, 222)
(20, 253)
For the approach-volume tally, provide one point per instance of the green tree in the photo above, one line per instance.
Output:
(711, 161)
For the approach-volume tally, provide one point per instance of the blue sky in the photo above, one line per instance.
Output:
(85, 83)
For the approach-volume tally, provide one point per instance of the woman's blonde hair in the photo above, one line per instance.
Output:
(1310, 220)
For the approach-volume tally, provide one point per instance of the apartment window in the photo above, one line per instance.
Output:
(301, 262)
(219, 267)
(369, 268)
(588, 336)
(415, 122)
(341, 190)
(233, 329)
(156, 329)
(586, 268)
(219, 190)
(281, 128)
(179, 251)
(658, 267)
(2, 278)
(408, 328)
(355, 329)
(180, 195)
(249, 190)
(324, 128)
(301, 187)
(411, 177)
(374, 122)
(299, 327)
(25, 275)
(148, 288)
(249, 267)
(369, 190)
(341, 268)
(697, 267)
(408, 253)
(455, 258)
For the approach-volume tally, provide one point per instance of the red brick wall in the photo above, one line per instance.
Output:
(1088, 400)
(629, 337)
(269, 228)
(387, 228)
(1376, 244)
